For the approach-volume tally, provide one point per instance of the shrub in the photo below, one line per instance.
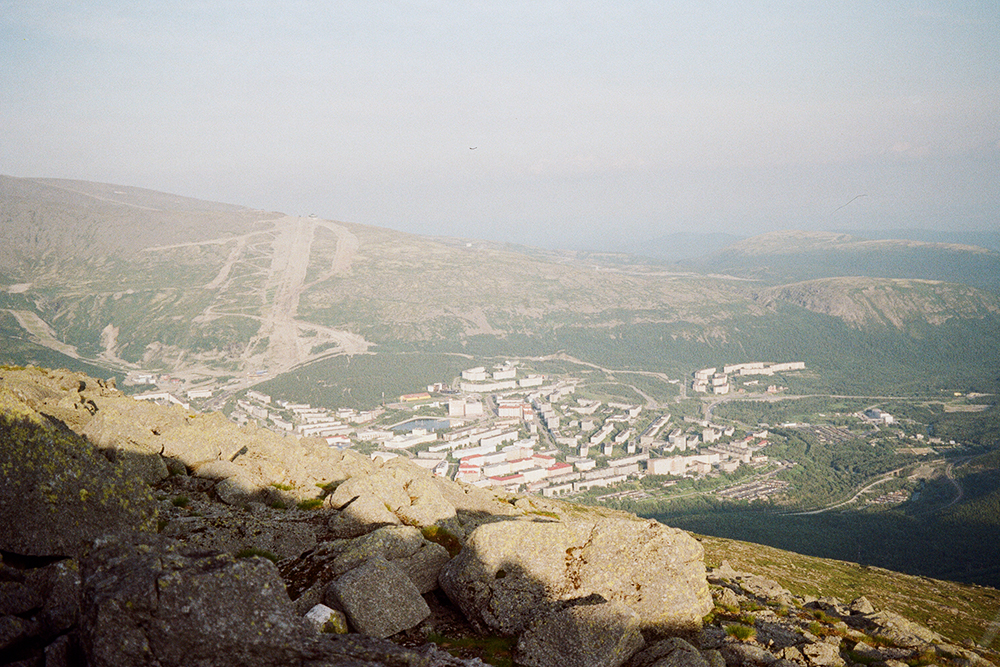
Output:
(180, 501)
(741, 632)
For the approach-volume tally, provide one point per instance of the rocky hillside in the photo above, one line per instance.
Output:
(888, 302)
(140, 535)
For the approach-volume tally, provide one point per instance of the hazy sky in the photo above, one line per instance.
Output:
(589, 121)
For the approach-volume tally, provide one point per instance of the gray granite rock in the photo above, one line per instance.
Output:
(59, 493)
(899, 631)
(509, 570)
(367, 509)
(738, 654)
(385, 485)
(861, 605)
(424, 566)
(330, 559)
(671, 652)
(822, 654)
(158, 603)
(325, 619)
(379, 598)
(604, 634)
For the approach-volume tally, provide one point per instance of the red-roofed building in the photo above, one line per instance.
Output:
(560, 469)
(509, 483)
(544, 460)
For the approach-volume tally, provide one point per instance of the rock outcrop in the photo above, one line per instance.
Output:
(791, 630)
(594, 633)
(155, 603)
(141, 535)
(379, 598)
(510, 571)
(58, 493)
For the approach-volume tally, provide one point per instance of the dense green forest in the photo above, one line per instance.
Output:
(360, 381)
(959, 544)
(934, 361)
(948, 530)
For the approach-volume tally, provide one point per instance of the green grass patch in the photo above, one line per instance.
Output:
(741, 632)
(310, 504)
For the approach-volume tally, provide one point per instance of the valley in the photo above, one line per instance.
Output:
(203, 302)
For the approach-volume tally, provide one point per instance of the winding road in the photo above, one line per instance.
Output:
(885, 477)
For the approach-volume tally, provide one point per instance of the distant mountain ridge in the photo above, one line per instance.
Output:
(982, 238)
(133, 279)
(792, 256)
(680, 245)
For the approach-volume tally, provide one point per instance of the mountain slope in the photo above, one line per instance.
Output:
(888, 302)
(133, 279)
(792, 256)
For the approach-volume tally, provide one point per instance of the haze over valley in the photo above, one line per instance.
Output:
(221, 306)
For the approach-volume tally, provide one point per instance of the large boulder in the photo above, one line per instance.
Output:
(593, 634)
(384, 485)
(57, 492)
(379, 598)
(37, 605)
(402, 545)
(510, 571)
(894, 629)
(159, 603)
(747, 655)
(670, 652)
(822, 654)
(123, 435)
(237, 530)
(428, 506)
(367, 512)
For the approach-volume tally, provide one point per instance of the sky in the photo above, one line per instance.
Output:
(556, 124)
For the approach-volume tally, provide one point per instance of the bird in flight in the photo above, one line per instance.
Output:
(472, 148)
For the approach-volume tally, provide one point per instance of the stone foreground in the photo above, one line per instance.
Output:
(144, 535)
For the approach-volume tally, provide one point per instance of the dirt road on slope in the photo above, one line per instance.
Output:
(283, 341)
(287, 346)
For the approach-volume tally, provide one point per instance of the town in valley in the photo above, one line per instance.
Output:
(506, 426)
